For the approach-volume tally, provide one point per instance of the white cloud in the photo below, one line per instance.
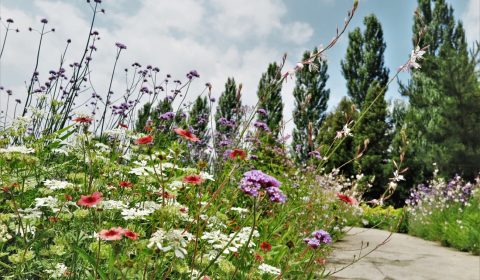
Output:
(243, 19)
(472, 21)
(219, 39)
(298, 32)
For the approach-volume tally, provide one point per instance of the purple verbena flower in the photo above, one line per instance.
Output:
(167, 116)
(318, 237)
(120, 46)
(262, 112)
(261, 125)
(255, 180)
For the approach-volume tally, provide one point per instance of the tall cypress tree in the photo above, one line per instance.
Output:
(367, 78)
(443, 118)
(311, 97)
(364, 61)
(270, 99)
(374, 129)
(228, 114)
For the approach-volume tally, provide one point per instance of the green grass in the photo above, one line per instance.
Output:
(456, 226)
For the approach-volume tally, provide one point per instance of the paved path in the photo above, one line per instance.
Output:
(402, 258)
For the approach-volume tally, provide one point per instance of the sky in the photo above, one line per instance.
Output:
(218, 38)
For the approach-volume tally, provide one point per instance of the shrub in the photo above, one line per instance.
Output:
(447, 212)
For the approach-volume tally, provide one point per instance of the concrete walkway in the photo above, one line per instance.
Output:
(403, 257)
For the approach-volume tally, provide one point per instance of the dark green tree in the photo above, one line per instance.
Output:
(443, 118)
(364, 62)
(343, 157)
(270, 99)
(372, 136)
(311, 97)
(229, 112)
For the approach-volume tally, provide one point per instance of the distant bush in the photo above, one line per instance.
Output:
(387, 218)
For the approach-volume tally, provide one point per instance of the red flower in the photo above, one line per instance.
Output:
(238, 153)
(130, 234)
(144, 140)
(347, 199)
(193, 179)
(68, 197)
(258, 258)
(90, 200)
(265, 246)
(111, 234)
(84, 120)
(126, 184)
(186, 134)
(123, 125)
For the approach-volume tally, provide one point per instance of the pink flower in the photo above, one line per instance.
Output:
(238, 153)
(193, 179)
(83, 120)
(130, 234)
(111, 234)
(347, 199)
(126, 184)
(186, 134)
(90, 200)
(144, 140)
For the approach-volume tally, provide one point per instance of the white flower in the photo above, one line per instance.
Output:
(265, 268)
(175, 185)
(102, 148)
(206, 176)
(134, 213)
(17, 149)
(218, 241)
(56, 184)
(345, 132)
(148, 205)
(4, 235)
(60, 151)
(30, 213)
(176, 240)
(49, 201)
(239, 210)
(397, 177)
(60, 270)
(113, 204)
(416, 54)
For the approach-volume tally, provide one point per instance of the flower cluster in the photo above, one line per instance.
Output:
(117, 233)
(176, 240)
(441, 193)
(318, 238)
(255, 180)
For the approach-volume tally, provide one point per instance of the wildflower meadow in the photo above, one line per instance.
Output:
(160, 180)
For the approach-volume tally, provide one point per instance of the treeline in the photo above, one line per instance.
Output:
(440, 123)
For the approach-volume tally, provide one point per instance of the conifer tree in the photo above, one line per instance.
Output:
(311, 97)
(443, 119)
(364, 62)
(270, 99)
(229, 113)
(342, 159)
(374, 130)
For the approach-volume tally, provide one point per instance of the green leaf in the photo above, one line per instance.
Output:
(86, 257)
